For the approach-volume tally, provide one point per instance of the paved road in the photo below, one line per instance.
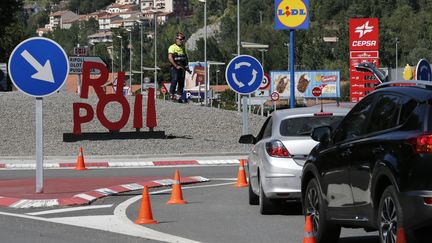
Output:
(217, 212)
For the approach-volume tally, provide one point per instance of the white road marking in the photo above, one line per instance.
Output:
(119, 222)
(63, 210)
(223, 179)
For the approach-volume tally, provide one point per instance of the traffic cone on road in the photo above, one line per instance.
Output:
(145, 215)
(400, 236)
(241, 176)
(176, 194)
(308, 231)
(80, 161)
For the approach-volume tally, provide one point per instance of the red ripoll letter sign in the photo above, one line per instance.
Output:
(104, 99)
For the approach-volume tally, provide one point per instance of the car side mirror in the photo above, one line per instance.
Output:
(247, 139)
(322, 134)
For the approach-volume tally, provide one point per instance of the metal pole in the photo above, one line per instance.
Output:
(396, 58)
(238, 45)
(288, 62)
(292, 91)
(112, 64)
(245, 128)
(121, 54)
(205, 54)
(130, 61)
(155, 52)
(39, 145)
(141, 58)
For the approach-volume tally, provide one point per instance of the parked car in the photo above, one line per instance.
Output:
(280, 150)
(373, 170)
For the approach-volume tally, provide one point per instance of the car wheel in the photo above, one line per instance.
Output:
(389, 215)
(253, 198)
(313, 205)
(266, 205)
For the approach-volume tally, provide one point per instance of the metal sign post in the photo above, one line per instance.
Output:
(244, 75)
(38, 67)
(39, 145)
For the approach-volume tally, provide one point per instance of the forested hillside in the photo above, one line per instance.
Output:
(409, 21)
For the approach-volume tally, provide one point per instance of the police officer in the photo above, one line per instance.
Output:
(178, 59)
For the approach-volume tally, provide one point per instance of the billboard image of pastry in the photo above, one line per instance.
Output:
(196, 77)
(304, 82)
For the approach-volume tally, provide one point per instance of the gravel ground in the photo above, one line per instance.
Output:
(195, 129)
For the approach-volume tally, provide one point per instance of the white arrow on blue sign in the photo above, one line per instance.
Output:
(423, 71)
(38, 66)
(244, 74)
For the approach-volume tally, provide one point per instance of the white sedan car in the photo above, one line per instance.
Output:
(279, 151)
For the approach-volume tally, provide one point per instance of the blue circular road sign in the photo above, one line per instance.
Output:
(38, 66)
(423, 71)
(244, 74)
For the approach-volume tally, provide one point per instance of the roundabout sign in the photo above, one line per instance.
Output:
(244, 74)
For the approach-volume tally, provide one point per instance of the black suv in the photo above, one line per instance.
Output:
(374, 171)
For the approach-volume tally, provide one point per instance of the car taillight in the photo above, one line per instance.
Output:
(428, 200)
(323, 114)
(423, 144)
(276, 148)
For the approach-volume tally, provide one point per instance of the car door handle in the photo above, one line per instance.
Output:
(346, 153)
(378, 150)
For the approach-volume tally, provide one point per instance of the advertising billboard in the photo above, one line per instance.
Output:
(196, 77)
(291, 14)
(362, 83)
(305, 81)
(363, 34)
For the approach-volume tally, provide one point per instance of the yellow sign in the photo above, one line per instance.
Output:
(407, 73)
(291, 13)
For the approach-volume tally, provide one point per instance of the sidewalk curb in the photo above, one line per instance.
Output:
(122, 164)
(90, 196)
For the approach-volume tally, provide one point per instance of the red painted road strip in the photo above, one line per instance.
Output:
(68, 192)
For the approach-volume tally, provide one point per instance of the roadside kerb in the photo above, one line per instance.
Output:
(117, 164)
(90, 196)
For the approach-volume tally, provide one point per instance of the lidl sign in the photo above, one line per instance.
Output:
(291, 14)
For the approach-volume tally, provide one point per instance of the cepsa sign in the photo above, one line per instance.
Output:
(363, 34)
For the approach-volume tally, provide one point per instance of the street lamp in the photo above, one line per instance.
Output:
(121, 52)
(238, 54)
(217, 74)
(397, 41)
(141, 56)
(205, 51)
(155, 12)
(130, 60)
(287, 45)
(262, 56)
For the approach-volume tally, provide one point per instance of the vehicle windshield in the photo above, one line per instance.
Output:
(303, 126)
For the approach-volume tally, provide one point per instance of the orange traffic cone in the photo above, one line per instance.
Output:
(308, 231)
(80, 161)
(400, 236)
(145, 215)
(241, 176)
(176, 195)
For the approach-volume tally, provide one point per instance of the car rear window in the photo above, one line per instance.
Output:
(303, 126)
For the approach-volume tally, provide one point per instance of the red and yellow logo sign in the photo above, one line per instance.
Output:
(291, 13)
